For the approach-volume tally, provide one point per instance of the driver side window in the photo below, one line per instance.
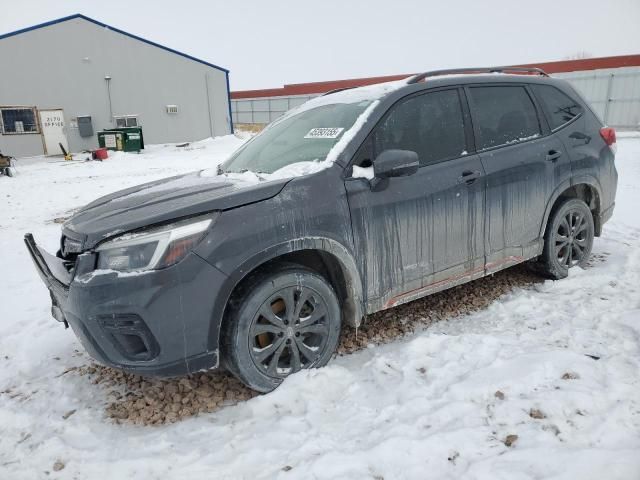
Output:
(431, 125)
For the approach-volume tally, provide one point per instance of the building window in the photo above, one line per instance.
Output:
(18, 120)
(126, 121)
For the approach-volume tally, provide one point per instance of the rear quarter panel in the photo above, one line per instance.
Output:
(592, 161)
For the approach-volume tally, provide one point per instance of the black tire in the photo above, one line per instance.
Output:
(269, 334)
(568, 239)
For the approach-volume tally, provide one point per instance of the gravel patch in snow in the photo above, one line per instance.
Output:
(148, 401)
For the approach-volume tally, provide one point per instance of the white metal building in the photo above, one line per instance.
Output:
(614, 93)
(64, 80)
(610, 84)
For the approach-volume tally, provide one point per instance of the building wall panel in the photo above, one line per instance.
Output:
(614, 94)
(64, 66)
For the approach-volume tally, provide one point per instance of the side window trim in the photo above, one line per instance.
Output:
(543, 122)
(568, 123)
(468, 121)
(544, 128)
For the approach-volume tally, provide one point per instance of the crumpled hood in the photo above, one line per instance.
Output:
(162, 201)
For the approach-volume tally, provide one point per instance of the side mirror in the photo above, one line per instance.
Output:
(395, 163)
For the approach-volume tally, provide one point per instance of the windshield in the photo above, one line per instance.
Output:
(307, 136)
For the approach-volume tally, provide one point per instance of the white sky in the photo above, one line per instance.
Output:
(268, 43)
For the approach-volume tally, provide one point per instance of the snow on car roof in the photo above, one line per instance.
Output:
(352, 95)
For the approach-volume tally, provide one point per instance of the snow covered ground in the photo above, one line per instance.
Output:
(556, 364)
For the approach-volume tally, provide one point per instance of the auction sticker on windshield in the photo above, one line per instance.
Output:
(324, 133)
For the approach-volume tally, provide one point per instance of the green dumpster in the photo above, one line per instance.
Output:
(127, 139)
(133, 139)
(111, 140)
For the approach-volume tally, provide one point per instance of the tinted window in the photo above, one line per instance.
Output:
(504, 115)
(430, 125)
(558, 107)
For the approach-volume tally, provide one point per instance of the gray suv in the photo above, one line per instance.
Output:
(357, 201)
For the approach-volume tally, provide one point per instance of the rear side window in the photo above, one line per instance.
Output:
(504, 115)
(558, 107)
(430, 125)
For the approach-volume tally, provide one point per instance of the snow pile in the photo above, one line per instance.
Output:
(544, 383)
(363, 172)
(248, 177)
(297, 169)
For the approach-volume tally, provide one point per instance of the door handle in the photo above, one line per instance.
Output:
(468, 177)
(553, 155)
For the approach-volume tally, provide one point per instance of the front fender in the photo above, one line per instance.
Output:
(353, 306)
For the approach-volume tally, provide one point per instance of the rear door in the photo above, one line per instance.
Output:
(523, 165)
(413, 232)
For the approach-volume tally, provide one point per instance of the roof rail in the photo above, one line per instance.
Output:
(421, 76)
(336, 90)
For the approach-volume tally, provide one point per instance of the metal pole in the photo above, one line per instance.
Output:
(206, 86)
(107, 79)
(608, 101)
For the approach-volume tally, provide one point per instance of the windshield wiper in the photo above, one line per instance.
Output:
(241, 171)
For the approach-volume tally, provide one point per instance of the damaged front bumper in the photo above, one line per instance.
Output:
(57, 284)
(153, 323)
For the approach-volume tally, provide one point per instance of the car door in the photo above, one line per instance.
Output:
(523, 164)
(421, 232)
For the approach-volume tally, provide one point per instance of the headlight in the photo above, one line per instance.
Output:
(154, 248)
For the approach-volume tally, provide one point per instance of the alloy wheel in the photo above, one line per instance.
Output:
(571, 239)
(289, 332)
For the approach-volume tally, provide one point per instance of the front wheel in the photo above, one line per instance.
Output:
(568, 239)
(278, 324)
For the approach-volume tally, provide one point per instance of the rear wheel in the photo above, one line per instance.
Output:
(568, 239)
(281, 323)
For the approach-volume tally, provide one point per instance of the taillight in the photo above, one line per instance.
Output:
(608, 134)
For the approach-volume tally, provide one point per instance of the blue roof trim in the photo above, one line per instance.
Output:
(96, 22)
